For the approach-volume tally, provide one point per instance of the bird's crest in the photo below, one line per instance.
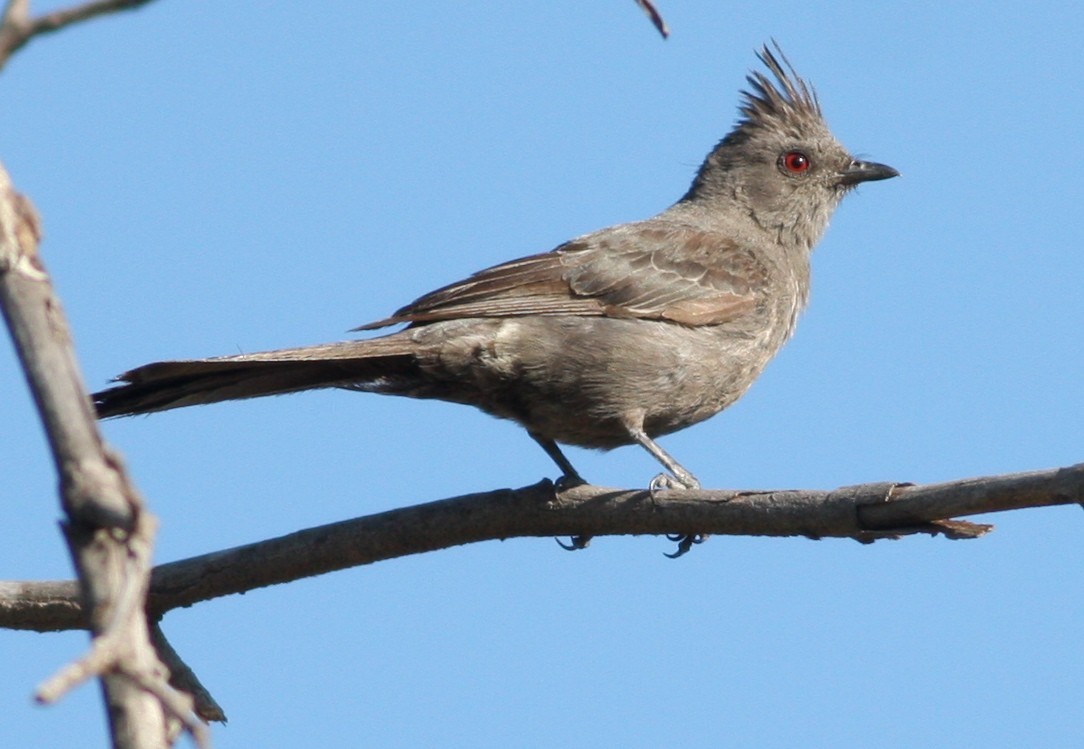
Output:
(784, 104)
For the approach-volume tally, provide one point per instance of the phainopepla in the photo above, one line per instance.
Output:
(610, 339)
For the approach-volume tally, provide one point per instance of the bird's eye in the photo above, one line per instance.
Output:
(795, 162)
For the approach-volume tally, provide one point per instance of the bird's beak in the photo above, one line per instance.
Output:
(865, 171)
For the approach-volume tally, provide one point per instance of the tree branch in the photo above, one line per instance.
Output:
(865, 513)
(109, 534)
(17, 27)
(183, 679)
(655, 17)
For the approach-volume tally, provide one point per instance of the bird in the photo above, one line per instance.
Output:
(613, 338)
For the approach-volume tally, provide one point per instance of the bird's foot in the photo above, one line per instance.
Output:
(569, 481)
(666, 482)
(685, 542)
(683, 480)
(575, 543)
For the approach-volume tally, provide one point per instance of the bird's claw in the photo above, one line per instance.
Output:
(576, 543)
(683, 480)
(685, 542)
(662, 482)
(567, 481)
(666, 482)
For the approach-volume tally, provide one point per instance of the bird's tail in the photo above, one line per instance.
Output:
(174, 384)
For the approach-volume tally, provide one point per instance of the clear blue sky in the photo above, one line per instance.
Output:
(225, 177)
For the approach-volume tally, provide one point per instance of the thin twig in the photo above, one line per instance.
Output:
(178, 705)
(184, 679)
(17, 27)
(15, 12)
(107, 650)
(653, 13)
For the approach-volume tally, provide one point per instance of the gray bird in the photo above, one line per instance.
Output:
(610, 339)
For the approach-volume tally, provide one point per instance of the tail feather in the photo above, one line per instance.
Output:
(174, 384)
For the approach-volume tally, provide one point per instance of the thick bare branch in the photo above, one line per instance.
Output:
(864, 513)
(41, 606)
(108, 533)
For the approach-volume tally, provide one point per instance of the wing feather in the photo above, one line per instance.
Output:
(651, 270)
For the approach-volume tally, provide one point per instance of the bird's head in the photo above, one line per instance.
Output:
(781, 166)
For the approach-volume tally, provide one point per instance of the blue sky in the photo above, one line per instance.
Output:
(225, 177)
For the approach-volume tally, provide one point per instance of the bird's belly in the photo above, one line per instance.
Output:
(582, 380)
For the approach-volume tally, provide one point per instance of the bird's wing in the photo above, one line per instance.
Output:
(656, 272)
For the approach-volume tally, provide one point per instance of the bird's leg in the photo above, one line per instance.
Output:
(677, 478)
(569, 477)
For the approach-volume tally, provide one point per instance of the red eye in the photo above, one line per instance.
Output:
(795, 162)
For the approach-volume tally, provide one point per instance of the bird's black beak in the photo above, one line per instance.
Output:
(865, 171)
